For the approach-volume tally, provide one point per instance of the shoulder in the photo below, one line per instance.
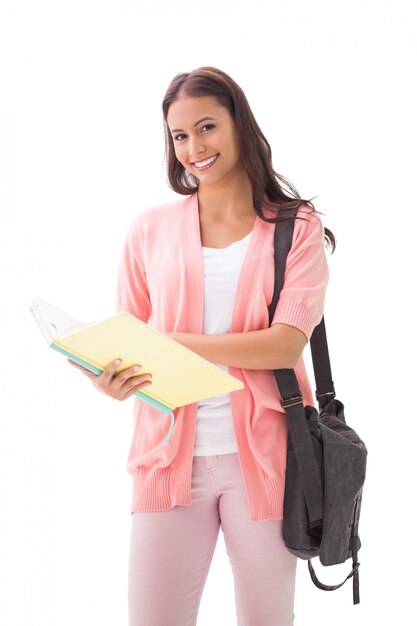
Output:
(308, 225)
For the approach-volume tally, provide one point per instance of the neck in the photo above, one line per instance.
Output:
(227, 201)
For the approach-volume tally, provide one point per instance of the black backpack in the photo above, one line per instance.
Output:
(326, 459)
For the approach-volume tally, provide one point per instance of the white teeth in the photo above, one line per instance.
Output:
(204, 163)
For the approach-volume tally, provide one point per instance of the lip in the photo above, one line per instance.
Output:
(201, 169)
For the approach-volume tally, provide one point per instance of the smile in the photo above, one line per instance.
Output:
(203, 165)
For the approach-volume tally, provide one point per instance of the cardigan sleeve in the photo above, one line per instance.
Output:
(132, 293)
(301, 301)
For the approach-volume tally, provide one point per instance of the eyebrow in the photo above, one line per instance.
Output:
(176, 130)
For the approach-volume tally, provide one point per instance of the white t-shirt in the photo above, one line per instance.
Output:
(215, 432)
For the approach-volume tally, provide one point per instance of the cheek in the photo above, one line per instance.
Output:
(180, 154)
(227, 146)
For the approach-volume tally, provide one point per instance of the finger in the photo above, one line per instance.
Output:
(137, 381)
(132, 387)
(128, 374)
(115, 382)
(109, 371)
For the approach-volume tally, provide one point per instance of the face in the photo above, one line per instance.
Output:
(205, 139)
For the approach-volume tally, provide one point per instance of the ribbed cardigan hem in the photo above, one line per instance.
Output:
(265, 498)
(152, 491)
(159, 489)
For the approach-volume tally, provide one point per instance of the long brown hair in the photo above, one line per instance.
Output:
(255, 151)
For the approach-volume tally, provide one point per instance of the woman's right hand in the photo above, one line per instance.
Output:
(118, 386)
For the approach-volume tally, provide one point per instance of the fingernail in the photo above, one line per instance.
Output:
(117, 362)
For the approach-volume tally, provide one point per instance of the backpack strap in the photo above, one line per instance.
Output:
(318, 340)
(354, 547)
(354, 573)
(321, 363)
(291, 397)
(292, 402)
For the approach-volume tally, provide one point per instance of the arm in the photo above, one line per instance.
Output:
(279, 346)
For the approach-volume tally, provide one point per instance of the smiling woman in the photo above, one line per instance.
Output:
(201, 269)
(209, 151)
(225, 96)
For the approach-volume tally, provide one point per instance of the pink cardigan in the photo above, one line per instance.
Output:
(161, 281)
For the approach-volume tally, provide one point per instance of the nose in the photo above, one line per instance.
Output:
(196, 148)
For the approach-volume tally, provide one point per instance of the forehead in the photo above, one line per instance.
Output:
(189, 109)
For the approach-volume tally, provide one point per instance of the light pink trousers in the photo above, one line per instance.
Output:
(171, 552)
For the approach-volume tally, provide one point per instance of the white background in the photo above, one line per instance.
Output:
(81, 152)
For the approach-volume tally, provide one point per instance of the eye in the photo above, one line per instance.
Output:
(178, 137)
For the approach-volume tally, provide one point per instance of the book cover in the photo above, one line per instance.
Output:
(179, 375)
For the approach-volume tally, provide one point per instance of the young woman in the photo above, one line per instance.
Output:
(201, 269)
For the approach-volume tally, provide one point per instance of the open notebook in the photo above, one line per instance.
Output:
(179, 375)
